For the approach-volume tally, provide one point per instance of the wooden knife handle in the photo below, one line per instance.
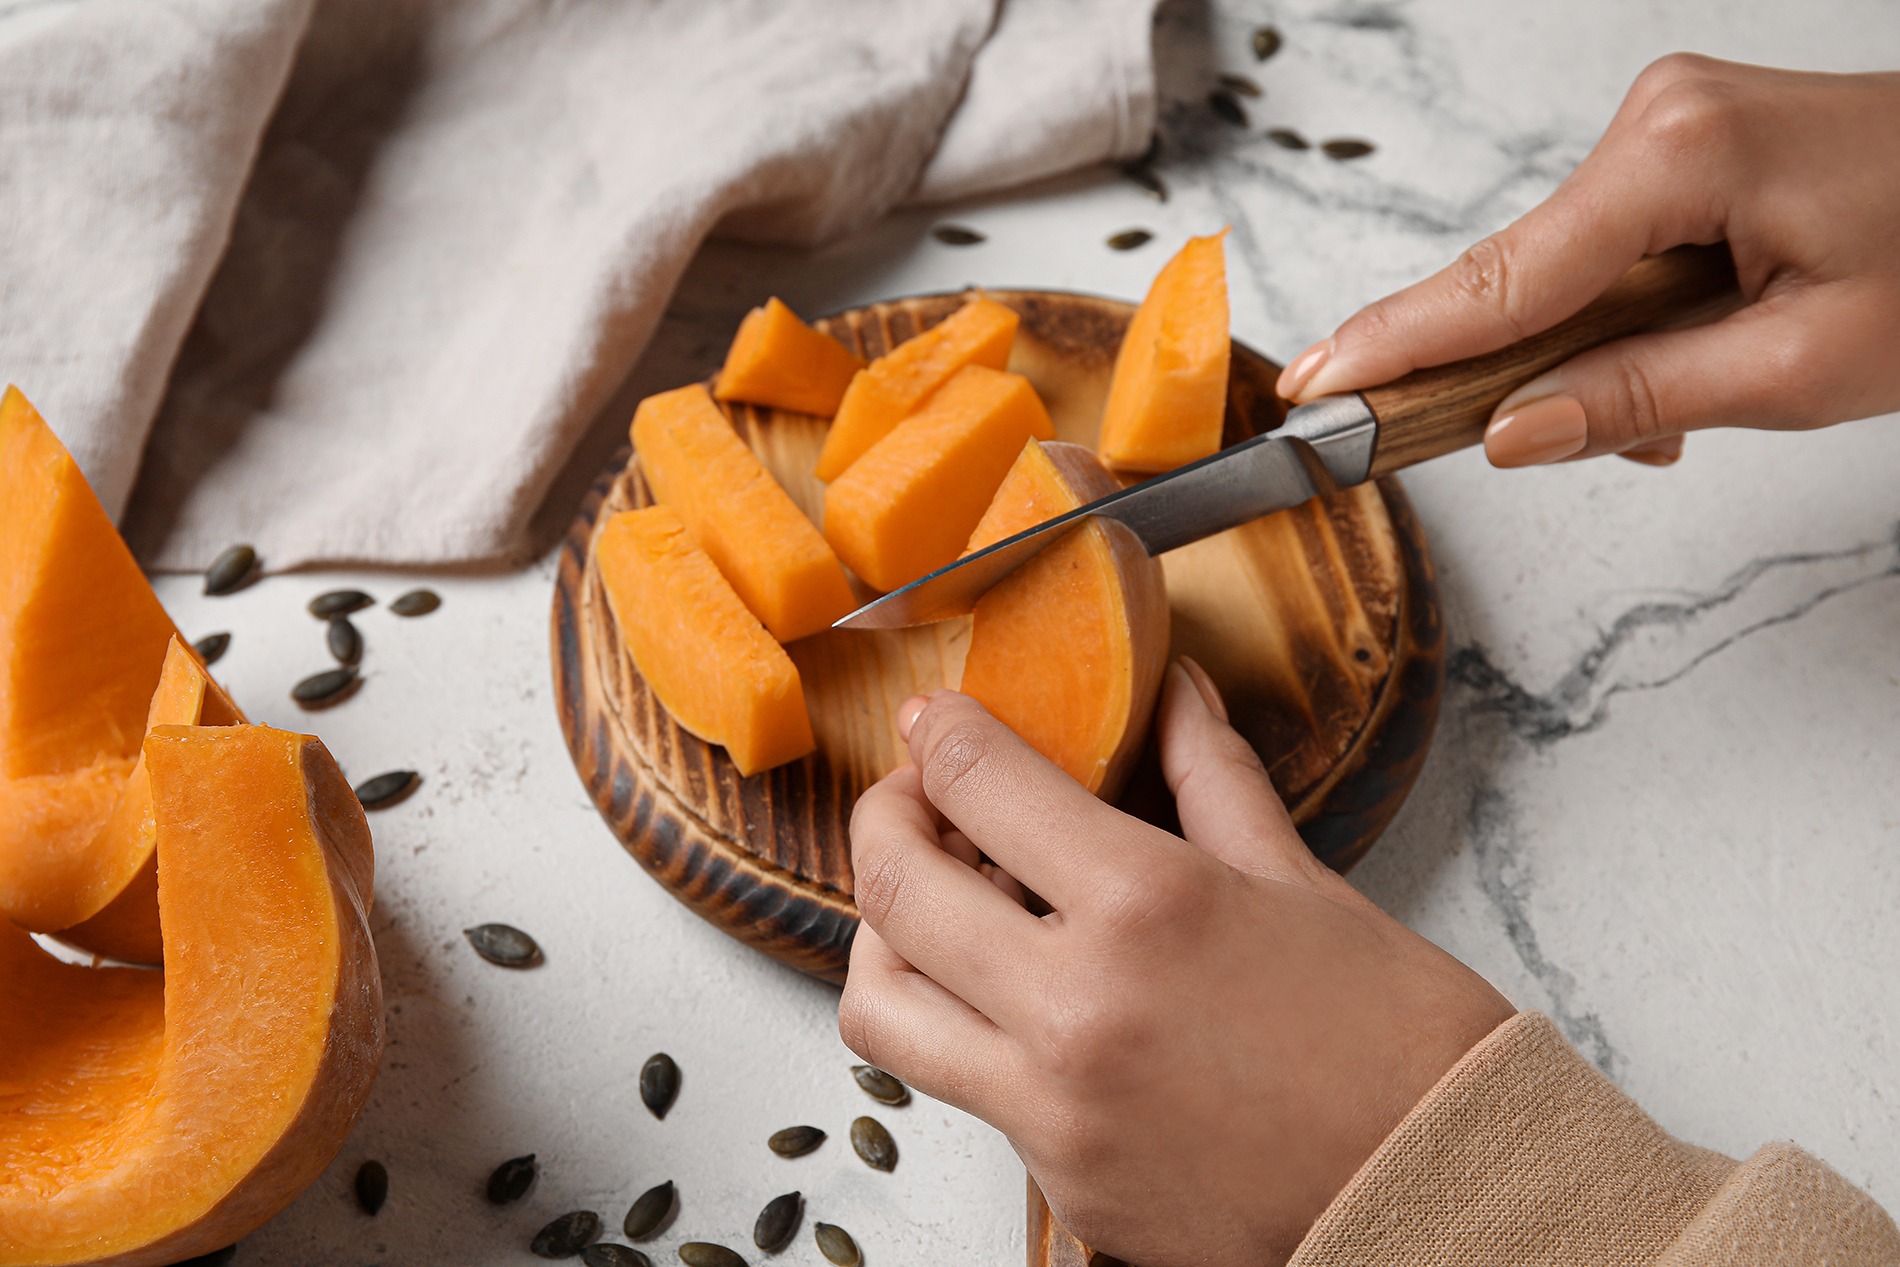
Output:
(1438, 410)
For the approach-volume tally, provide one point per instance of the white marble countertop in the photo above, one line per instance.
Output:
(1661, 806)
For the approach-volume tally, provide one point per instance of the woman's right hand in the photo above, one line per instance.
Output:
(1798, 172)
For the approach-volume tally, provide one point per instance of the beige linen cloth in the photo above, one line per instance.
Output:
(346, 279)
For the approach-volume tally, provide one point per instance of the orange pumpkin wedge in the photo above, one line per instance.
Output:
(1168, 396)
(778, 360)
(82, 642)
(754, 532)
(909, 504)
(897, 384)
(708, 660)
(1068, 650)
(146, 1118)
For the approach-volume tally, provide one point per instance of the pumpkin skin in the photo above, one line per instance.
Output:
(149, 1118)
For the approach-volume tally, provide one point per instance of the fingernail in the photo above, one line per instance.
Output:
(1664, 452)
(1203, 685)
(907, 714)
(1541, 431)
(1304, 366)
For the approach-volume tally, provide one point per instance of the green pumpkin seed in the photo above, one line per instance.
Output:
(956, 235)
(649, 1210)
(338, 603)
(836, 1244)
(1346, 148)
(345, 643)
(1144, 176)
(874, 1144)
(659, 1083)
(1129, 239)
(1242, 85)
(504, 945)
(795, 1141)
(416, 603)
(773, 1229)
(706, 1254)
(372, 1186)
(1227, 106)
(1266, 42)
(1288, 139)
(211, 647)
(880, 1086)
(320, 690)
(614, 1256)
(511, 1180)
(231, 570)
(567, 1235)
(387, 789)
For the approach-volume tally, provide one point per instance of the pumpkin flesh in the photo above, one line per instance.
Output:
(1168, 396)
(779, 361)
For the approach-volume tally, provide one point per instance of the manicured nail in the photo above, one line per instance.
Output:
(1541, 431)
(1664, 452)
(907, 714)
(1204, 686)
(1304, 366)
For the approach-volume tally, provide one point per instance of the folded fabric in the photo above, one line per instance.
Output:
(392, 255)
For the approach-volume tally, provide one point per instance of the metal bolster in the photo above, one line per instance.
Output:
(1336, 435)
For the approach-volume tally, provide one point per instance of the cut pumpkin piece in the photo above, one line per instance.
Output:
(146, 1118)
(756, 535)
(708, 660)
(908, 505)
(778, 360)
(1068, 650)
(1168, 397)
(898, 384)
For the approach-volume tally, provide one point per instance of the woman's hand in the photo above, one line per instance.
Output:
(1201, 1043)
(1799, 173)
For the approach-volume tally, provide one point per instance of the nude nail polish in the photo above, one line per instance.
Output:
(1297, 374)
(1537, 432)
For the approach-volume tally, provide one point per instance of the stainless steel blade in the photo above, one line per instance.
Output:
(1323, 445)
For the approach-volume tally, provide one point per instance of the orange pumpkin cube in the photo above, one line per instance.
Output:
(778, 360)
(1168, 396)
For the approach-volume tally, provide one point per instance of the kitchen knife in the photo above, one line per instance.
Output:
(1335, 442)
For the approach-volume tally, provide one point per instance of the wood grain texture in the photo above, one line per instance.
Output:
(1320, 624)
(1435, 411)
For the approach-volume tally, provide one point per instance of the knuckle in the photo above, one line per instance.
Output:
(1483, 276)
(1087, 1039)
(957, 759)
(1698, 116)
(881, 871)
(1160, 895)
(1673, 68)
(855, 1020)
(1641, 406)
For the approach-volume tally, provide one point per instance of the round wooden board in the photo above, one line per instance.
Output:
(1320, 624)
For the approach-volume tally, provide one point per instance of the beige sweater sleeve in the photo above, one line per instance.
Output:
(1525, 1154)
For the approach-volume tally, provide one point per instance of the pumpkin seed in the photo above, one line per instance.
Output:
(776, 1223)
(231, 570)
(416, 603)
(1145, 177)
(706, 1254)
(567, 1235)
(1242, 85)
(345, 643)
(874, 1144)
(614, 1256)
(322, 689)
(1346, 148)
(338, 603)
(1227, 106)
(211, 647)
(216, 1258)
(372, 1186)
(511, 1180)
(956, 235)
(836, 1244)
(1288, 139)
(1129, 239)
(659, 1083)
(504, 945)
(386, 789)
(795, 1141)
(880, 1086)
(1266, 42)
(649, 1210)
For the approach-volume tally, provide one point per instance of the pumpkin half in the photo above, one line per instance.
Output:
(146, 1117)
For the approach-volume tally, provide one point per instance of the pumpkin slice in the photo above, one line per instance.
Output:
(1168, 397)
(778, 360)
(909, 504)
(754, 532)
(898, 383)
(1068, 650)
(82, 641)
(708, 660)
(147, 1118)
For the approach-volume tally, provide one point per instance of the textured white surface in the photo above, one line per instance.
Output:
(1661, 805)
